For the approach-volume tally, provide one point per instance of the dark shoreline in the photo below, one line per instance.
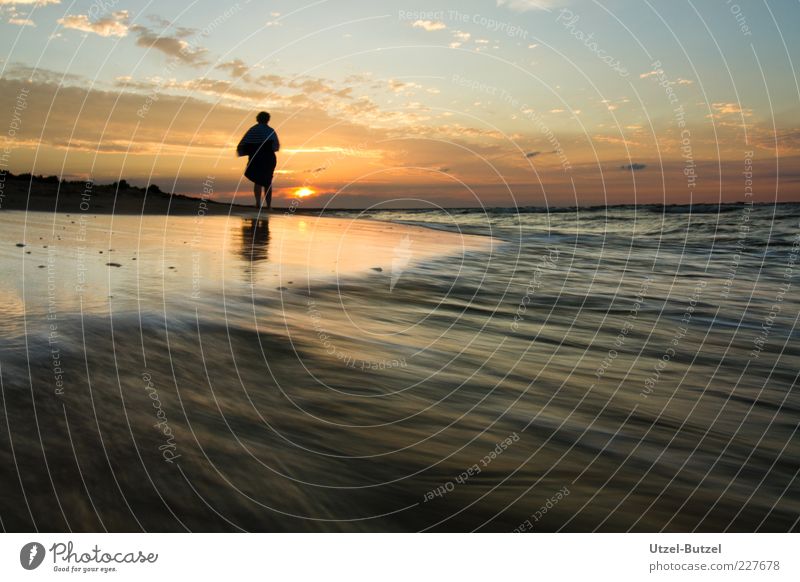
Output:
(49, 194)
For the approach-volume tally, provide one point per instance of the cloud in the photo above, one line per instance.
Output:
(527, 5)
(172, 46)
(429, 25)
(116, 24)
(21, 72)
(460, 38)
(9, 8)
(788, 141)
(274, 80)
(406, 88)
(532, 154)
(237, 68)
(730, 109)
(633, 167)
(657, 72)
(68, 116)
(315, 85)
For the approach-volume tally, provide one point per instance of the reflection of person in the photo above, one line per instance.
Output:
(255, 239)
(259, 144)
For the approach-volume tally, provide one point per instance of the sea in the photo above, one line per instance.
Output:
(628, 368)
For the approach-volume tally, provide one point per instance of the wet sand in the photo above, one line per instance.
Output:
(312, 374)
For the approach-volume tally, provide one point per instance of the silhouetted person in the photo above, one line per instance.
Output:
(259, 144)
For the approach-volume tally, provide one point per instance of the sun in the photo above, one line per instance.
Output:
(303, 192)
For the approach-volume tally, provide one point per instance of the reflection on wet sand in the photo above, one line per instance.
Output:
(254, 243)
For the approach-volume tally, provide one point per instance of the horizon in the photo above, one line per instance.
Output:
(502, 104)
(310, 208)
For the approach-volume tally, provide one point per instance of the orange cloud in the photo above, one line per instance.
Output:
(115, 24)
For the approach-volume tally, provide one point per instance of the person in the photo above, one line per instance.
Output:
(259, 144)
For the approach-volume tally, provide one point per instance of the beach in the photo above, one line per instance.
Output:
(490, 370)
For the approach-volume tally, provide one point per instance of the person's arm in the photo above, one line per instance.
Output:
(276, 146)
(241, 149)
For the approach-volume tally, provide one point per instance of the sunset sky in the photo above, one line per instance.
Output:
(457, 103)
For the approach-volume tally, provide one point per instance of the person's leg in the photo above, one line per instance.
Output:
(257, 194)
(270, 174)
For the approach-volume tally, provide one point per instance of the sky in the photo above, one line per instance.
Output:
(383, 104)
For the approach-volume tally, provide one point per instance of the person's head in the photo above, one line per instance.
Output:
(262, 117)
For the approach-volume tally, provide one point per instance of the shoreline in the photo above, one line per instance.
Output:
(48, 194)
(278, 249)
